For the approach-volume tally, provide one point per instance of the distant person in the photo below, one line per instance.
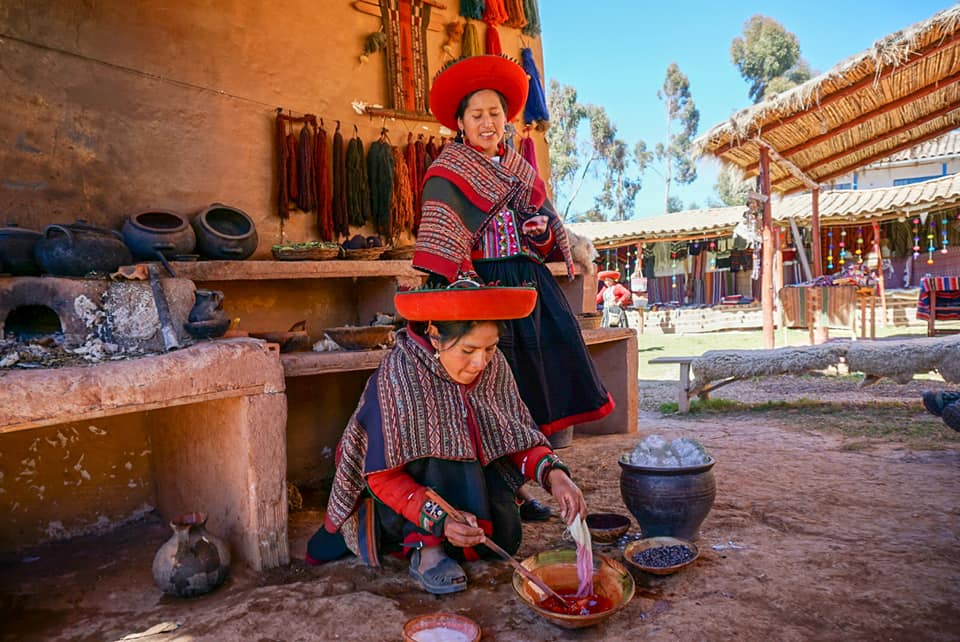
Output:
(615, 298)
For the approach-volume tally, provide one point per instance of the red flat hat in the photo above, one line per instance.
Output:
(487, 303)
(467, 75)
(608, 274)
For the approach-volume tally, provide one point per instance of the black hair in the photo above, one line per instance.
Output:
(450, 332)
(462, 108)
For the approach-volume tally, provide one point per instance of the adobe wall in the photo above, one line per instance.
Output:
(114, 107)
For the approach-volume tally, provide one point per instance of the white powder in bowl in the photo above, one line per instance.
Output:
(440, 634)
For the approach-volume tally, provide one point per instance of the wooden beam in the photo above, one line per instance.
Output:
(816, 250)
(857, 86)
(766, 265)
(870, 115)
(890, 134)
(788, 165)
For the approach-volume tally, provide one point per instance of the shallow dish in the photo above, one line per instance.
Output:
(607, 527)
(364, 337)
(441, 626)
(558, 568)
(659, 542)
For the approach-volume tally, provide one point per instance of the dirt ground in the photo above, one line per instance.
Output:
(809, 539)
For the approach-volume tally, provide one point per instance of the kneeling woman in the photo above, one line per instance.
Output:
(442, 411)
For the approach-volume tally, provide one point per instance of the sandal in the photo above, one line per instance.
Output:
(951, 415)
(445, 577)
(935, 402)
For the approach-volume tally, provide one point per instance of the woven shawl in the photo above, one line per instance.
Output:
(424, 414)
(462, 189)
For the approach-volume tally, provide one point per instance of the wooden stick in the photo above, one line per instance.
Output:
(493, 546)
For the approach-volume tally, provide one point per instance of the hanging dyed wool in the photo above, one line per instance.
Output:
(472, 9)
(532, 13)
(493, 46)
(471, 41)
(281, 143)
(535, 111)
(528, 151)
(420, 149)
(358, 190)
(322, 171)
(306, 174)
(495, 13)
(380, 173)
(292, 172)
(517, 17)
(410, 158)
(401, 211)
(432, 151)
(341, 225)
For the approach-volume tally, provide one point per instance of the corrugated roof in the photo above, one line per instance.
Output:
(835, 207)
(940, 147)
(902, 91)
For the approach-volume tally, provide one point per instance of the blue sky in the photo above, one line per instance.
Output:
(616, 52)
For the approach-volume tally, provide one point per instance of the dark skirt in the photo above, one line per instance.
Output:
(554, 372)
(489, 493)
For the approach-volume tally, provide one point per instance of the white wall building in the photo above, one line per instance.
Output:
(932, 159)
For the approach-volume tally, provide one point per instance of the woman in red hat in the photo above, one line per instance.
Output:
(614, 298)
(486, 216)
(441, 412)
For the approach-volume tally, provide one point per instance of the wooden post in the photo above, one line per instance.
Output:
(766, 266)
(881, 283)
(778, 274)
(815, 231)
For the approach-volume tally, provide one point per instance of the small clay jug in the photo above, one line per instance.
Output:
(207, 318)
(192, 562)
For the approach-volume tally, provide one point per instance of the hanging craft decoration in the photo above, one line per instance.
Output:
(859, 250)
(372, 44)
(531, 12)
(471, 41)
(943, 230)
(528, 150)
(494, 12)
(401, 210)
(843, 248)
(341, 224)
(516, 16)
(535, 111)
(306, 174)
(931, 248)
(916, 239)
(492, 39)
(380, 172)
(454, 31)
(472, 9)
(405, 26)
(358, 189)
(830, 249)
(322, 167)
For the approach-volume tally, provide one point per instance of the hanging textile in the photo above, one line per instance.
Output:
(358, 189)
(432, 151)
(341, 225)
(322, 168)
(401, 210)
(306, 173)
(535, 110)
(494, 12)
(405, 25)
(292, 171)
(532, 13)
(516, 16)
(471, 41)
(493, 46)
(380, 173)
(528, 150)
(281, 143)
(472, 9)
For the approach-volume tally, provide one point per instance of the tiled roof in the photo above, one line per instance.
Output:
(943, 146)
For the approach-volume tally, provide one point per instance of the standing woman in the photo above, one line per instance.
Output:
(614, 298)
(486, 217)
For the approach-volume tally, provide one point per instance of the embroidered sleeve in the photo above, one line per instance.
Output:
(396, 489)
(536, 463)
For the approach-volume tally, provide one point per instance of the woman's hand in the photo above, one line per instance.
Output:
(535, 225)
(568, 495)
(463, 535)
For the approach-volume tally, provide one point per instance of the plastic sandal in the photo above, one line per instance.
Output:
(445, 577)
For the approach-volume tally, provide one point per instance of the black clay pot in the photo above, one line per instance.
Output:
(224, 232)
(152, 231)
(16, 250)
(670, 502)
(79, 248)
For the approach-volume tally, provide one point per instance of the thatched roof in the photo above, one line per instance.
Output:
(902, 91)
(836, 208)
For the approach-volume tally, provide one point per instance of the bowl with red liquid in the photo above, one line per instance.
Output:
(613, 588)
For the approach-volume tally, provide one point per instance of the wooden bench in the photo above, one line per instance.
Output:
(686, 390)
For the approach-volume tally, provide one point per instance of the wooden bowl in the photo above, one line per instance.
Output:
(364, 337)
(432, 626)
(558, 568)
(658, 542)
(606, 528)
(398, 253)
(363, 253)
(288, 341)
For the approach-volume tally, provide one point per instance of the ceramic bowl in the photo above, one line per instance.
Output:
(606, 528)
(365, 337)
(558, 568)
(441, 626)
(658, 542)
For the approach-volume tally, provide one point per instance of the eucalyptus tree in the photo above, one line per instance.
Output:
(674, 153)
(768, 57)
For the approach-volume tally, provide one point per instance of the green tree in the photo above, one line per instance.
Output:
(622, 179)
(768, 57)
(674, 154)
(674, 204)
(731, 187)
(565, 117)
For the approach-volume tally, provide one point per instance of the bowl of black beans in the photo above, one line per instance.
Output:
(661, 555)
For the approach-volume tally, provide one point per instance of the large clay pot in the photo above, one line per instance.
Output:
(16, 250)
(192, 562)
(79, 248)
(669, 502)
(224, 232)
(152, 231)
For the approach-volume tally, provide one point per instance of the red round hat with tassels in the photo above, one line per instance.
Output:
(467, 75)
(608, 274)
(471, 303)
